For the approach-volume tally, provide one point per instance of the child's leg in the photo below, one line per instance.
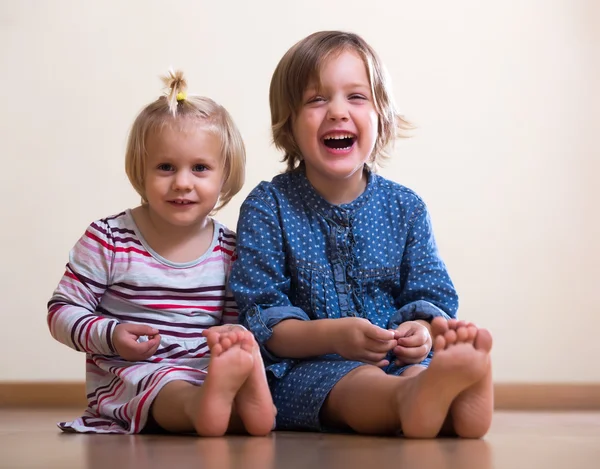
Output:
(254, 403)
(421, 403)
(183, 407)
(365, 401)
(471, 412)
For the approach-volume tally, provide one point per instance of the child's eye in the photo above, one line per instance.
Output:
(199, 168)
(315, 99)
(358, 96)
(165, 167)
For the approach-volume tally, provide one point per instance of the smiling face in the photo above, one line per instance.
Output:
(183, 174)
(336, 125)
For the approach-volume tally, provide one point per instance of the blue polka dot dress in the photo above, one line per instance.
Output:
(301, 257)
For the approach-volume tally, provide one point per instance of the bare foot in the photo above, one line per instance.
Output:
(425, 400)
(231, 363)
(472, 410)
(254, 403)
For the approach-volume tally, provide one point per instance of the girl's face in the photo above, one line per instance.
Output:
(184, 174)
(336, 126)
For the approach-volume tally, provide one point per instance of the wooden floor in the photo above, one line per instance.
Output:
(30, 439)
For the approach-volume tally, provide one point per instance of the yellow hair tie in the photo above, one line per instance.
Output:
(181, 96)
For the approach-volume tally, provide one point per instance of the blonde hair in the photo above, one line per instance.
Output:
(301, 66)
(175, 107)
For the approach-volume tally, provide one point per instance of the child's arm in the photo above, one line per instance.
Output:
(260, 279)
(352, 338)
(72, 315)
(427, 290)
(261, 284)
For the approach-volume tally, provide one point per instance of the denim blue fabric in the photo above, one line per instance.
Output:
(301, 257)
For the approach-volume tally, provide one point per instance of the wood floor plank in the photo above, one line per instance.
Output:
(30, 439)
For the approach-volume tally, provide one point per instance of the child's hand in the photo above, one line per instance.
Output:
(125, 341)
(413, 343)
(358, 339)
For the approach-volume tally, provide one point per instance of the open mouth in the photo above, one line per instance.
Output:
(339, 141)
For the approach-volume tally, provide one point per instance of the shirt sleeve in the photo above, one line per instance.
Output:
(426, 288)
(260, 280)
(72, 317)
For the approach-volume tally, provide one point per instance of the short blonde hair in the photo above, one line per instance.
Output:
(301, 66)
(177, 108)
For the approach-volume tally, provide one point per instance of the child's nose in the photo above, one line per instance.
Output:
(182, 181)
(338, 110)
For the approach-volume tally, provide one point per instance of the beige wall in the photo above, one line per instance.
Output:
(506, 96)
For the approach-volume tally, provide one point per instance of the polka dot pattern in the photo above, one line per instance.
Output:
(301, 257)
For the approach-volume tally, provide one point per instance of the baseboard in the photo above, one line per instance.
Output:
(547, 396)
(42, 394)
(508, 396)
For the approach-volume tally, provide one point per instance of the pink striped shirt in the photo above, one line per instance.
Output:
(114, 276)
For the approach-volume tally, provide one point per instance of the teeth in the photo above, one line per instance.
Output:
(338, 137)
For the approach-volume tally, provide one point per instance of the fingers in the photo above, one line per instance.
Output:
(411, 353)
(140, 329)
(147, 349)
(402, 330)
(379, 346)
(133, 351)
(378, 333)
(415, 340)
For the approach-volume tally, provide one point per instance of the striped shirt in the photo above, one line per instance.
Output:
(113, 276)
